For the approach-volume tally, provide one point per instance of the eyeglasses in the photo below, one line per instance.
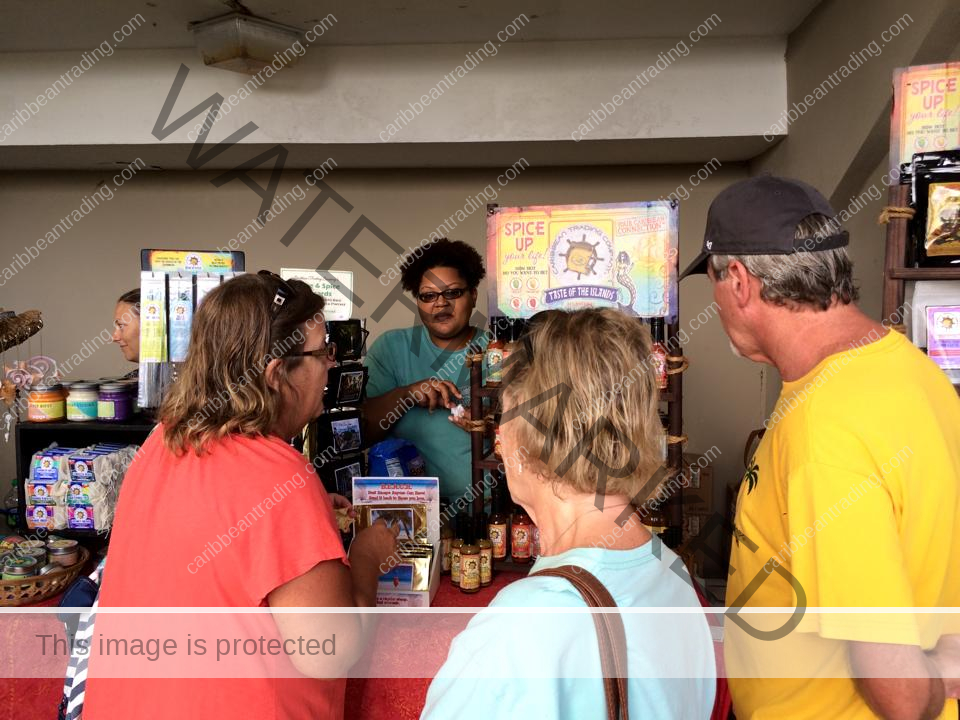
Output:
(328, 351)
(450, 294)
(284, 292)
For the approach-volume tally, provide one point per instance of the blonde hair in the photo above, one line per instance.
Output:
(222, 388)
(587, 400)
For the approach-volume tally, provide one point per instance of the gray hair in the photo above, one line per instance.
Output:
(804, 277)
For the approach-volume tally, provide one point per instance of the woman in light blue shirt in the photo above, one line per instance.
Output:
(587, 380)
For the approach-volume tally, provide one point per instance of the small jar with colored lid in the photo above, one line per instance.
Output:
(46, 403)
(82, 402)
(37, 553)
(114, 403)
(64, 552)
(18, 568)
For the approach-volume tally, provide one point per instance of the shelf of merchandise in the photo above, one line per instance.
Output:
(33, 436)
(671, 510)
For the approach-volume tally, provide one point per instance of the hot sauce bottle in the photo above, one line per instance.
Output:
(486, 562)
(493, 356)
(521, 535)
(535, 543)
(497, 526)
(658, 352)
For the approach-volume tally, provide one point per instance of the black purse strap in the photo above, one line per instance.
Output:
(610, 633)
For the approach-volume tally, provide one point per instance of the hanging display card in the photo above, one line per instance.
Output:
(617, 255)
(926, 111)
(338, 304)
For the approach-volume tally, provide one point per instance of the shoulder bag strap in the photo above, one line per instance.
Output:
(610, 633)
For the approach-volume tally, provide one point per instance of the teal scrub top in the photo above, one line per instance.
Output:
(402, 357)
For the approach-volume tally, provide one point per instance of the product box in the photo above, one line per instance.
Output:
(41, 516)
(81, 467)
(697, 484)
(39, 493)
(45, 466)
(943, 335)
(80, 517)
(413, 503)
(78, 493)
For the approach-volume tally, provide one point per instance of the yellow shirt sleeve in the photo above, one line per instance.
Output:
(849, 555)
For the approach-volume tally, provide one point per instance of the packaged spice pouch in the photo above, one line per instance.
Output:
(410, 569)
(410, 519)
(943, 219)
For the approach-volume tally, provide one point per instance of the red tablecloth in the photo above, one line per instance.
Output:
(403, 699)
(396, 699)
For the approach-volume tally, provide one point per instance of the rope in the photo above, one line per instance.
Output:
(900, 328)
(476, 426)
(675, 440)
(892, 212)
(474, 358)
(684, 364)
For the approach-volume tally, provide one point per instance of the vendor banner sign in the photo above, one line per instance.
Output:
(617, 255)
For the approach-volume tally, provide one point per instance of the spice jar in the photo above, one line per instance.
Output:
(64, 552)
(82, 402)
(521, 532)
(15, 568)
(114, 403)
(455, 548)
(486, 562)
(46, 403)
(469, 568)
(39, 554)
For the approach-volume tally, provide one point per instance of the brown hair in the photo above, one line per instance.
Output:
(222, 388)
(131, 297)
(591, 388)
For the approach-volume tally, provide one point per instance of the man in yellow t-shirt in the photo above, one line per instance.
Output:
(852, 498)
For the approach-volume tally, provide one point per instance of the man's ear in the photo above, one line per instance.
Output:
(272, 373)
(741, 283)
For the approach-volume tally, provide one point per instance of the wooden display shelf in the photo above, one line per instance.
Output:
(925, 273)
(483, 461)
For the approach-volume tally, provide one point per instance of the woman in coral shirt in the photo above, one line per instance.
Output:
(219, 511)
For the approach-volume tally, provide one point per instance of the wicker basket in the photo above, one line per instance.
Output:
(35, 589)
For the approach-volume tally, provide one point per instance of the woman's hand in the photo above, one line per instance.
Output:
(341, 503)
(434, 393)
(374, 545)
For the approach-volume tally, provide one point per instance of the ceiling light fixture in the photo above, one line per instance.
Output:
(244, 43)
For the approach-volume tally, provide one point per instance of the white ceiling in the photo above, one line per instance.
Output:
(53, 25)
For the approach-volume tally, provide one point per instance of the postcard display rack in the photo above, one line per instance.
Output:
(622, 256)
(172, 285)
(924, 149)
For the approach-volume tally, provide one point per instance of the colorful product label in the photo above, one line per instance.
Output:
(520, 548)
(486, 566)
(38, 493)
(46, 410)
(80, 517)
(81, 469)
(78, 494)
(81, 409)
(470, 572)
(497, 534)
(40, 516)
(46, 468)
(455, 565)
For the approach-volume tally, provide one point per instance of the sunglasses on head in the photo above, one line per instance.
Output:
(283, 293)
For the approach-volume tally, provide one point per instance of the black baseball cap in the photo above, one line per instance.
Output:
(759, 216)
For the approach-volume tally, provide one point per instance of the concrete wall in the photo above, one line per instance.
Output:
(76, 281)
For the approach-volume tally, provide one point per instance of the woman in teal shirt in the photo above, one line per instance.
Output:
(518, 660)
(418, 374)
